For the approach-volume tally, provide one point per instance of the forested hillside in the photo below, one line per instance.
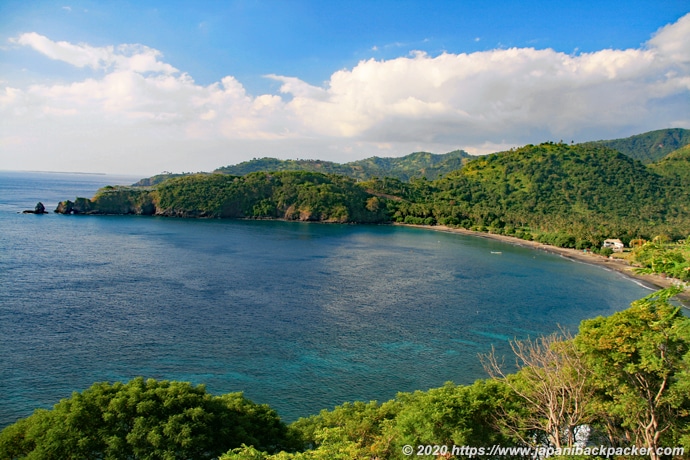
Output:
(297, 195)
(649, 147)
(578, 194)
(418, 164)
(675, 166)
(566, 195)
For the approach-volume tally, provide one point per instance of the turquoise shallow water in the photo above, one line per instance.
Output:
(299, 316)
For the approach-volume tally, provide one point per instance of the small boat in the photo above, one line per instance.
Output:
(496, 252)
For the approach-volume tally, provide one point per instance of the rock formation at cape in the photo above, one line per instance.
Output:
(38, 209)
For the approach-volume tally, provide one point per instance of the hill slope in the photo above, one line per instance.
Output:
(418, 164)
(578, 194)
(675, 165)
(585, 191)
(291, 195)
(648, 147)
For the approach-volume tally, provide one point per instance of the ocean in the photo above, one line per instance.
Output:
(300, 316)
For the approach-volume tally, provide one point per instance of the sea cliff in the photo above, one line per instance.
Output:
(300, 196)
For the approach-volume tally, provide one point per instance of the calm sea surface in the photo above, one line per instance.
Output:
(300, 316)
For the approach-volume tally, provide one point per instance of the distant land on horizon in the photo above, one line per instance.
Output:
(647, 147)
(65, 172)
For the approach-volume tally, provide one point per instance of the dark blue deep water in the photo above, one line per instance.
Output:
(299, 316)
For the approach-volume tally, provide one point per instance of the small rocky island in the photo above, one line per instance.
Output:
(39, 209)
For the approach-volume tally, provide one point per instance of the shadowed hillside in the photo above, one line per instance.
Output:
(651, 146)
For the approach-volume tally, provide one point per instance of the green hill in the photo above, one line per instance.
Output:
(418, 164)
(675, 169)
(566, 195)
(675, 165)
(291, 195)
(274, 165)
(648, 147)
(584, 192)
(158, 178)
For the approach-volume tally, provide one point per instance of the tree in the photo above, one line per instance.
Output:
(452, 415)
(553, 385)
(640, 361)
(144, 420)
(352, 430)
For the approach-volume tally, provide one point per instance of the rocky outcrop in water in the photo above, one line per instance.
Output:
(64, 207)
(78, 206)
(39, 209)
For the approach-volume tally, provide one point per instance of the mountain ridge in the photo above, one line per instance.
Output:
(649, 148)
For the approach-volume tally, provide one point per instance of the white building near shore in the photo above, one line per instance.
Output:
(615, 244)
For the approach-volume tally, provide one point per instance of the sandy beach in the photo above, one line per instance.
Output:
(651, 281)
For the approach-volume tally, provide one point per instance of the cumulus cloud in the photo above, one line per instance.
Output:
(671, 41)
(138, 58)
(476, 101)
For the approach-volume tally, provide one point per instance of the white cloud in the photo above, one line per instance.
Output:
(477, 101)
(137, 58)
(672, 41)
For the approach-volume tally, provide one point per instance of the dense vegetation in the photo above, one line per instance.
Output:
(622, 381)
(418, 164)
(661, 257)
(571, 196)
(648, 147)
(288, 195)
(675, 169)
(144, 419)
(565, 195)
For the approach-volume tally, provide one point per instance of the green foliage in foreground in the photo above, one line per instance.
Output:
(625, 377)
(640, 364)
(144, 420)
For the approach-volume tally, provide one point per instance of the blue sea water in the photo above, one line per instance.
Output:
(299, 316)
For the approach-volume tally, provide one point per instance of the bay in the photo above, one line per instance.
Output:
(300, 316)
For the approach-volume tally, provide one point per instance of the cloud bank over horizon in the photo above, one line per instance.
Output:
(130, 111)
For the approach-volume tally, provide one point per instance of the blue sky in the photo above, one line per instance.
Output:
(141, 87)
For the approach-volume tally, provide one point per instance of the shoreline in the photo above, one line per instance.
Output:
(650, 281)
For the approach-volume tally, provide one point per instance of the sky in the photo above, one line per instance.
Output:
(142, 87)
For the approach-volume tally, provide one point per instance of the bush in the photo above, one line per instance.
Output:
(144, 419)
